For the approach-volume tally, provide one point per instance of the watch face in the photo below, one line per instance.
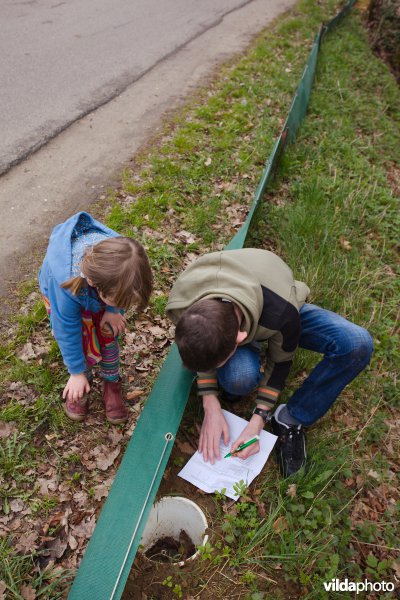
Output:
(264, 414)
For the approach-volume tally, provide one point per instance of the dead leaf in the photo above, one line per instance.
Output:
(27, 542)
(344, 243)
(359, 480)
(101, 491)
(46, 485)
(85, 528)
(280, 524)
(17, 505)
(72, 542)
(157, 331)
(57, 548)
(247, 499)
(115, 436)
(185, 447)
(7, 429)
(26, 353)
(134, 394)
(5, 519)
(262, 511)
(292, 490)
(81, 498)
(3, 589)
(29, 351)
(15, 524)
(27, 592)
(395, 567)
(363, 5)
(100, 458)
(105, 461)
(374, 474)
(185, 236)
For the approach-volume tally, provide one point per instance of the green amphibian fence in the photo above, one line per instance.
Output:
(115, 540)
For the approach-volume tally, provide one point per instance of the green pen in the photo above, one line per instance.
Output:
(253, 440)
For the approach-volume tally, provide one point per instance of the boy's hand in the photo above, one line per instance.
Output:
(214, 425)
(253, 428)
(112, 324)
(76, 387)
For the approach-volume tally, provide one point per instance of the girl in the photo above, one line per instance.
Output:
(89, 277)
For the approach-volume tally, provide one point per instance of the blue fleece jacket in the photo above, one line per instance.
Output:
(65, 307)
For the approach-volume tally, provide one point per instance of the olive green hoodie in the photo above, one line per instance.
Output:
(263, 287)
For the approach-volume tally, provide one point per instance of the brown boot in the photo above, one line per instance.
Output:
(76, 409)
(116, 411)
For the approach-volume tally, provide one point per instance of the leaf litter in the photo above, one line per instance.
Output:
(72, 483)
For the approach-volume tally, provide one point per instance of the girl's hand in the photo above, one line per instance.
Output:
(112, 324)
(76, 387)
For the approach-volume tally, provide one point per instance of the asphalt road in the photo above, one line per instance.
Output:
(88, 83)
(60, 59)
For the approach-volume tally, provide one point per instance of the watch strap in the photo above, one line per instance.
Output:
(265, 414)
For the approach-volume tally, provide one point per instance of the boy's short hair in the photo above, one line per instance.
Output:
(206, 334)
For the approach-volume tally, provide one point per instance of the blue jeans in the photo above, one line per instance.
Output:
(346, 350)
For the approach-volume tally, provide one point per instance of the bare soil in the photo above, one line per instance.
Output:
(384, 32)
(146, 578)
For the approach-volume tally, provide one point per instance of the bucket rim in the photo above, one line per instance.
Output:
(188, 501)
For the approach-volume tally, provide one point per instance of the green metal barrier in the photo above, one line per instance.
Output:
(109, 556)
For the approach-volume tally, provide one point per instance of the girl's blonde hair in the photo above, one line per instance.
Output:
(119, 269)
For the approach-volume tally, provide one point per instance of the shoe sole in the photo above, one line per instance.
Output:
(116, 421)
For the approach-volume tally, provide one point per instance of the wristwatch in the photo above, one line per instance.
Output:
(265, 414)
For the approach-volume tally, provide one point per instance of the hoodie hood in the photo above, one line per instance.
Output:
(218, 275)
(240, 276)
(58, 256)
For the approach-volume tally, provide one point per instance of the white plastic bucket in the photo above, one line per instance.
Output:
(168, 517)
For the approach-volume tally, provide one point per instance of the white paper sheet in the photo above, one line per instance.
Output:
(224, 473)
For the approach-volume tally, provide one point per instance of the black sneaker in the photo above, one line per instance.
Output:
(230, 398)
(290, 447)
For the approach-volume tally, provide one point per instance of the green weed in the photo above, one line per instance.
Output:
(176, 588)
(19, 571)
(15, 461)
(12, 459)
